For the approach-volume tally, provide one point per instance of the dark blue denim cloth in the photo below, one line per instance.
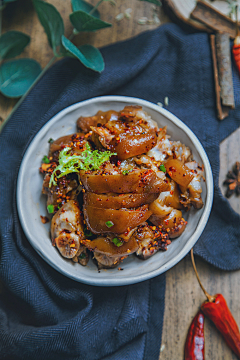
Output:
(44, 315)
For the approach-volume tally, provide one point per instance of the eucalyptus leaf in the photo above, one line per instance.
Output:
(84, 6)
(17, 76)
(12, 44)
(52, 22)
(85, 22)
(156, 2)
(88, 55)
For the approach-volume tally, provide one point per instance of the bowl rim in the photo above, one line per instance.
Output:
(193, 238)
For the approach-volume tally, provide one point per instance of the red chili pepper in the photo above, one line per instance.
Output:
(236, 52)
(216, 309)
(194, 346)
(236, 45)
(221, 316)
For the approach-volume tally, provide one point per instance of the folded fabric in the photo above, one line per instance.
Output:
(46, 315)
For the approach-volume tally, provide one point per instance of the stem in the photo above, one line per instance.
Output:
(71, 36)
(95, 7)
(25, 95)
(209, 297)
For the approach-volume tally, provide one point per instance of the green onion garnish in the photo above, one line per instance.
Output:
(109, 224)
(117, 242)
(87, 233)
(125, 172)
(50, 141)
(82, 256)
(162, 168)
(45, 160)
(50, 209)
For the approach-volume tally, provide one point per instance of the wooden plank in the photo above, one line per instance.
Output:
(182, 301)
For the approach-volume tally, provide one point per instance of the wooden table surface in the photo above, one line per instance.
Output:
(183, 294)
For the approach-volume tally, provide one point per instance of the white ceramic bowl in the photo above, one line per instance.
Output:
(31, 203)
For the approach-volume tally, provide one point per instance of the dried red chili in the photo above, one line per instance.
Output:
(236, 45)
(194, 346)
(221, 316)
(216, 309)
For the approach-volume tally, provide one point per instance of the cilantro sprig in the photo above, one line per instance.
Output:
(88, 160)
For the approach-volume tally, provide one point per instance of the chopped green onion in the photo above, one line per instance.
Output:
(125, 172)
(88, 160)
(50, 141)
(109, 224)
(45, 160)
(117, 242)
(82, 256)
(50, 209)
(87, 233)
(162, 168)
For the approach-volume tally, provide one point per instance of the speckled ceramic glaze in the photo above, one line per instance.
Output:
(32, 203)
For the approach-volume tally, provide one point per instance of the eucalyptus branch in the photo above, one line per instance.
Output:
(28, 91)
(53, 25)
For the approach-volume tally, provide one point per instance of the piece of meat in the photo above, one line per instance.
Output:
(136, 181)
(75, 141)
(67, 229)
(104, 245)
(106, 262)
(133, 133)
(118, 201)
(67, 188)
(173, 223)
(192, 195)
(151, 240)
(165, 148)
(171, 198)
(102, 117)
(82, 256)
(101, 221)
(180, 173)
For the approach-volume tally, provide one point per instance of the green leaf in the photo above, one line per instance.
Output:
(12, 44)
(52, 22)
(84, 6)
(17, 76)
(88, 160)
(85, 22)
(156, 2)
(88, 55)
